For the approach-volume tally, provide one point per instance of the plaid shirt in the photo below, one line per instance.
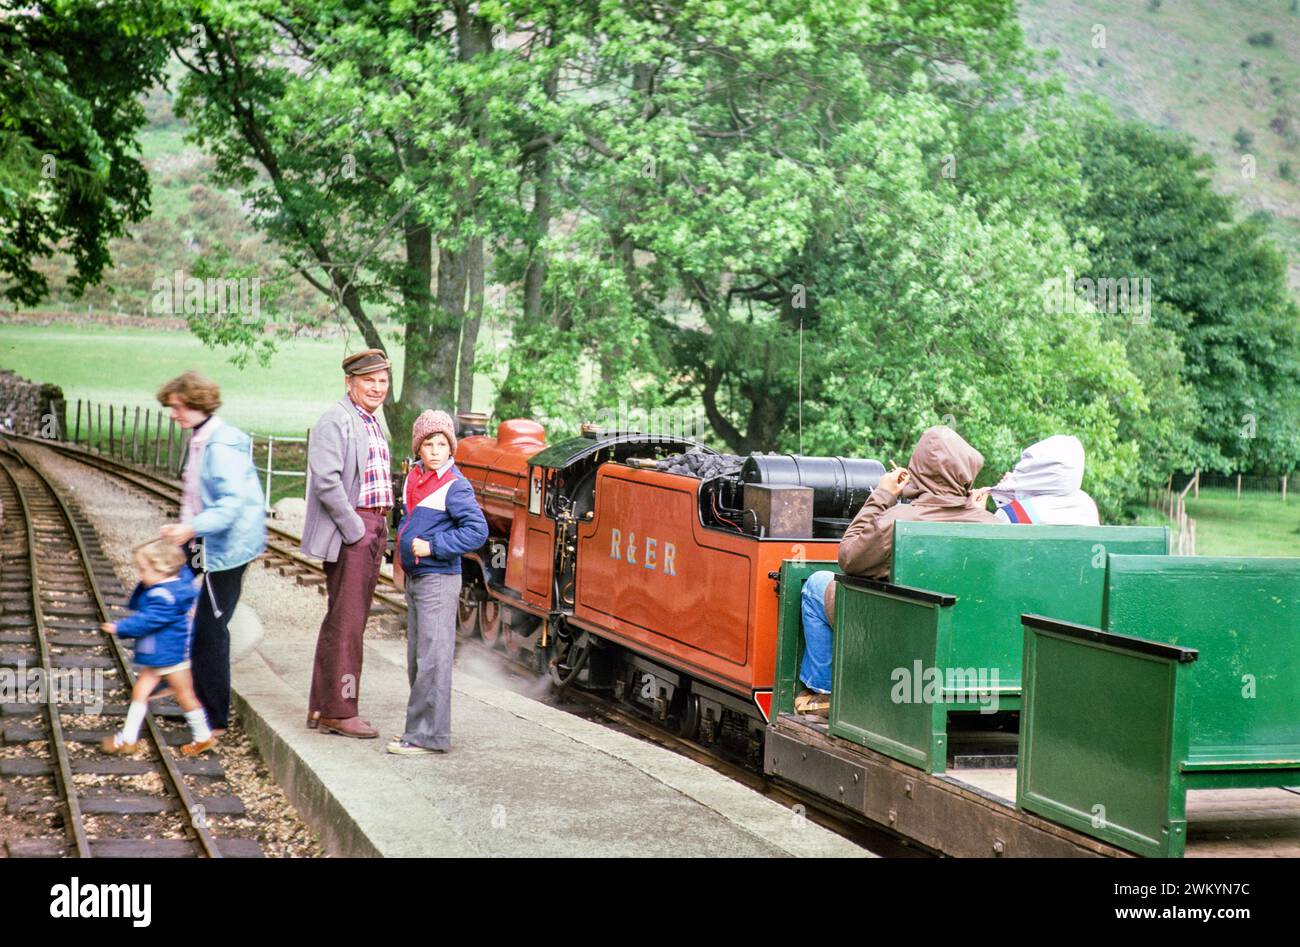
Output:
(376, 479)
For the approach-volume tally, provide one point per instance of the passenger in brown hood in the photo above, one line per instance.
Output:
(937, 482)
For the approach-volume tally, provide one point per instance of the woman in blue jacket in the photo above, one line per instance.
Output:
(223, 519)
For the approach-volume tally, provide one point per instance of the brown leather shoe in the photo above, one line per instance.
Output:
(195, 748)
(110, 745)
(351, 727)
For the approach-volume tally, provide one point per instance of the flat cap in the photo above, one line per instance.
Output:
(365, 362)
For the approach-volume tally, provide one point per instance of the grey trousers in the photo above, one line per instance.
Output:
(430, 646)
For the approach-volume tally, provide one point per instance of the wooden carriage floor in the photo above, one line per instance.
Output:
(1221, 823)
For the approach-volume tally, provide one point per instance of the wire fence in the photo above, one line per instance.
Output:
(1173, 504)
(140, 436)
(1246, 483)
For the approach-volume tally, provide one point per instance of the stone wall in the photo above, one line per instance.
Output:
(27, 407)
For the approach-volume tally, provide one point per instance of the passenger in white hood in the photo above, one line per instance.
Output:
(1044, 486)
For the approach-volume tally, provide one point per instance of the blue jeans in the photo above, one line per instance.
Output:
(815, 670)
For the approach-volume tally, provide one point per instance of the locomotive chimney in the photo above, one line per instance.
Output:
(469, 423)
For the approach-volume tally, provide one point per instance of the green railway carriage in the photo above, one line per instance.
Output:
(1190, 682)
(1138, 676)
(904, 661)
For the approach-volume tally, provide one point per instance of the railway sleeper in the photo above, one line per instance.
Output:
(18, 733)
(132, 848)
(122, 804)
(112, 766)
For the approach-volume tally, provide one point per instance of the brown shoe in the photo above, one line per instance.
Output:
(194, 749)
(812, 704)
(351, 727)
(110, 745)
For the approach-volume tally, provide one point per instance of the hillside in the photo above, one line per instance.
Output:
(1226, 72)
(191, 215)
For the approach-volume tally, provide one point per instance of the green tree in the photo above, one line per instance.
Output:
(718, 165)
(1220, 303)
(881, 188)
(380, 144)
(71, 75)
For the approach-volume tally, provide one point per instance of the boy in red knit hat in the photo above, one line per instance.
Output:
(442, 522)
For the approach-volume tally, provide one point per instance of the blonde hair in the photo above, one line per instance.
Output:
(166, 557)
(197, 392)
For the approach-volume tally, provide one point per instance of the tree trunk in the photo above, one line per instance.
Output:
(474, 39)
(514, 400)
(469, 333)
(446, 324)
(423, 384)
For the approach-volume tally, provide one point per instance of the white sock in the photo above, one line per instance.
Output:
(134, 717)
(198, 722)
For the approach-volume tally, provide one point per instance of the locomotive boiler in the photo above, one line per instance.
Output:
(644, 565)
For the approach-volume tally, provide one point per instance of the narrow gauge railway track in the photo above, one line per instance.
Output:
(282, 555)
(390, 604)
(53, 594)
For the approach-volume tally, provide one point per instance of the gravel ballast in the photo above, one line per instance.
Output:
(124, 518)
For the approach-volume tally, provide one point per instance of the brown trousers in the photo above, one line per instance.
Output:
(350, 582)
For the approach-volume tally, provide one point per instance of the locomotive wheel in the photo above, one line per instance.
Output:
(689, 725)
(570, 657)
(467, 617)
(489, 621)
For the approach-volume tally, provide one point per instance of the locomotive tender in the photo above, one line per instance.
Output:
(657, 586)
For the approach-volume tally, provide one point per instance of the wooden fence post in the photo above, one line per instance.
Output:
(135, 433)
(1238, 486)
(157, 439)
(270, 449)
(76, 433)
(111, 411)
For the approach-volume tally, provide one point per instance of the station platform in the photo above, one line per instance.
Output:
(523, 778)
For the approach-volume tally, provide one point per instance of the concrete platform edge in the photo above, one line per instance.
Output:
(338, 830)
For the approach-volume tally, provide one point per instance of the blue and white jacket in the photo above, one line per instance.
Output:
(232, 524)
(160, 618)
(440, 508)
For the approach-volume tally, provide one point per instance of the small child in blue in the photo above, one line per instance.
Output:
(160, 620)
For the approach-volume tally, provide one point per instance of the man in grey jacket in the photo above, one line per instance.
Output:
(349, 498)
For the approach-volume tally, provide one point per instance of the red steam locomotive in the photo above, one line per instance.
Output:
(614, 573)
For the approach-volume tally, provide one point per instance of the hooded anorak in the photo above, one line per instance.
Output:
(1044, 486)
(942, 468)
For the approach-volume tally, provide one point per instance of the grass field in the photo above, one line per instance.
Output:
(1256, 525)
(124, 366)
